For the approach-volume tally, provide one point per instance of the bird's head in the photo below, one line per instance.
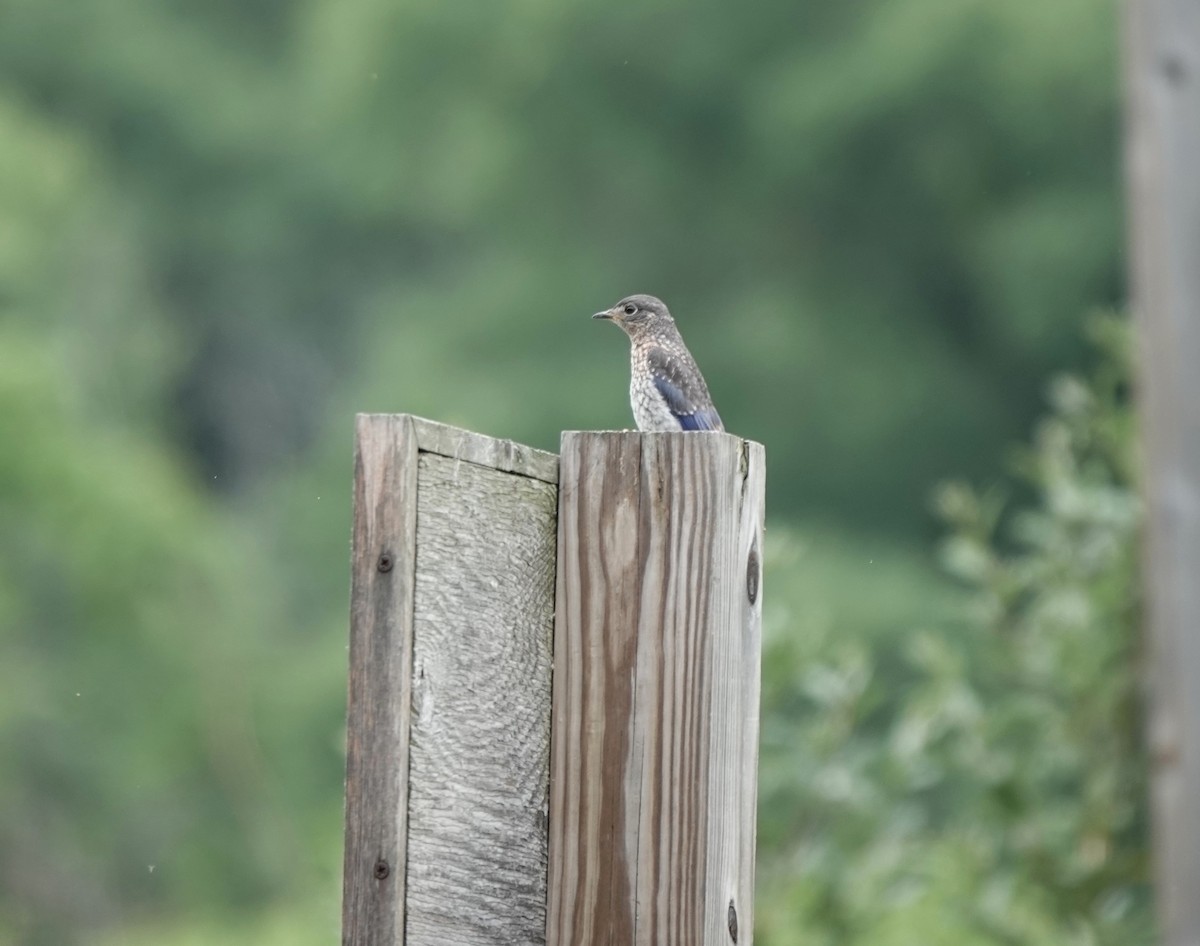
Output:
(638, 315)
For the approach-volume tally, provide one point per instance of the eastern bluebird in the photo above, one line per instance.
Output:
(666, 389)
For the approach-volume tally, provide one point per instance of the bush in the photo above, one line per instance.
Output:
(979, 780)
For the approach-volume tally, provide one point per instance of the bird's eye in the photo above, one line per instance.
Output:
(630, 308)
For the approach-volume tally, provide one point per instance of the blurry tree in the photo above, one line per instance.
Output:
(147, 747)
(981, 781)
(871, 217)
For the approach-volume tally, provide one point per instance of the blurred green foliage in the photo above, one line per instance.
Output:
(977, 780)
(226, 227)
(876, 222)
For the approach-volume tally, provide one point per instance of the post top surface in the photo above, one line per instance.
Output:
(688, 435)
(508, 456)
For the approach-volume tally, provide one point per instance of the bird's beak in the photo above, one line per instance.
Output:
(606, 314)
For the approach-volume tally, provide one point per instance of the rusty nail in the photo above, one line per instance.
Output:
(382, 869)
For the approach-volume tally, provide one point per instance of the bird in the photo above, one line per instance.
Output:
(666, 390)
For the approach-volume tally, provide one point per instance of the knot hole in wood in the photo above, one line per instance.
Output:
(752, 574)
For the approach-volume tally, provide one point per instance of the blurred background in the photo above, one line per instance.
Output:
(890, 231)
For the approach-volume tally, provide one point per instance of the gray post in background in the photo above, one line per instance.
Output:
(448, 720)
(1162, 44)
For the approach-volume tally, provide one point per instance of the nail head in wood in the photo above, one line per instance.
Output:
(382, 869)
(385, 562)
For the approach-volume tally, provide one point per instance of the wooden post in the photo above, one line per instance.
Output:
(1163, 168)
(656, 686)
(449, 692)
(656, 621)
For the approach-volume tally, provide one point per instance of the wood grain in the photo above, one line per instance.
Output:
(449, 688)
(1162, 59)
(657, 651)
(377, 714)
(507, 456)
(480, 747)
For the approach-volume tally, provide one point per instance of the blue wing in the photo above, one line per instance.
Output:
(690, 414)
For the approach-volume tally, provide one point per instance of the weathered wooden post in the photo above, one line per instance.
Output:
(451, 809)
(1163, 172)
(452, 602)
(656, 686)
